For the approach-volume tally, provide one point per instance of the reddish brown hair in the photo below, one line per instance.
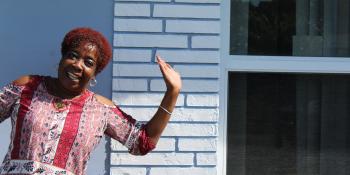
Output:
(78, 35)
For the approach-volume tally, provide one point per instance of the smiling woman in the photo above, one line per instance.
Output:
(84, 54)
(57, 122)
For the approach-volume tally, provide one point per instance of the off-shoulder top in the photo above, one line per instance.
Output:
(51, 135)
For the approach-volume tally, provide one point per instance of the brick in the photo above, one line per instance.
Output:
(187, 129)
(186, 11)
(190, 56)
(140, 113)
(190, 26)
(138, 25)
(121, 84)
(132, 55)
(164, 144)
(203, 115)
(197, 144)
(132, 9)
(206, 159)
(142, 99)
(189, 85)
(179, 114)
(150, 40)
(198, 1)
(203, 100)
(128, 171)
(152, 159)
(146, 0)
(206, 42)
(136, 70)
(198, 71)
(182, 171)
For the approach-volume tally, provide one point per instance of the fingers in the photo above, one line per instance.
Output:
(162, 62)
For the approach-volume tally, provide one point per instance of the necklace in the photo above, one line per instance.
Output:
(59, 104)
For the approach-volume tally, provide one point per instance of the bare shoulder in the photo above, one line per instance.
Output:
(104, 100)
(22, 80)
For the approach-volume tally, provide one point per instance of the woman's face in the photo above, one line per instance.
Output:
(77, 67)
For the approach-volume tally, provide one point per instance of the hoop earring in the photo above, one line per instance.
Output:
(93, 82)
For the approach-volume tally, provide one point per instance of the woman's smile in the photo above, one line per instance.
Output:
(73, 76)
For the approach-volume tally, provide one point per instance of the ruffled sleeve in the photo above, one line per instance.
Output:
(129, 132)
(8, 96)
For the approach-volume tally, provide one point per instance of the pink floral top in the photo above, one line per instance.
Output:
(51, 135)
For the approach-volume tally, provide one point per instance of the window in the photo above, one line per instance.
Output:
(290, 27)
(285, 85)
(281, 123)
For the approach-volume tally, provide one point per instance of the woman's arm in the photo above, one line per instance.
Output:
(9, 94)
(160, 119)
(139, 138)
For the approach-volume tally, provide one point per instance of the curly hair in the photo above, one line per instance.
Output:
(82, 34)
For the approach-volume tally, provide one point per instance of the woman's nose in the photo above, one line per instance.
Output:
(78, 64)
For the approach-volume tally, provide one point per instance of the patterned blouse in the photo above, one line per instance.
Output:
(51, 135)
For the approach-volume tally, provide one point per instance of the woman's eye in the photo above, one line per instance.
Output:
(89, 63)
(72, 55)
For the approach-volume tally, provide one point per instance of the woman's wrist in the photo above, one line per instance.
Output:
(174, 91)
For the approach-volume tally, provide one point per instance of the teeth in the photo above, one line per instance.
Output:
(72, 76)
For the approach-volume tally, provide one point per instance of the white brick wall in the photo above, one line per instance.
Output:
(199, 1)
(128, 171)
(132, 55)
(138, 25)
(150, 40)
(145, 0)
(142, 99)
(186, 34)
(182, 171)
(198, 71)
(189, 85)
(153, 159)
(164, 144)
(186, 11)
(125, 84)
(195, 144)
(188, 26)
(190, 129)
(180, 114)
(190, 56)
(203, 100)
(206, 159)
(202, 42)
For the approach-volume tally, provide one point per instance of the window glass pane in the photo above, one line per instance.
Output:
(290, 27)
(290, 124)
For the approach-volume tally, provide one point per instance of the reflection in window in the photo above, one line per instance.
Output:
(288, 124)
(290, 27)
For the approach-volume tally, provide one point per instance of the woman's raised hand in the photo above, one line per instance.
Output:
(171, 77)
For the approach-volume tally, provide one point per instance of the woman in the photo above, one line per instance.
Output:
(57, 122)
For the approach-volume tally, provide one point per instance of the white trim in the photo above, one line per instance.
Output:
(244, 63)
(285, 64)
(221, 145)
(224, 47)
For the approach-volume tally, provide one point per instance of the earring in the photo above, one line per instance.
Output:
(93, 82)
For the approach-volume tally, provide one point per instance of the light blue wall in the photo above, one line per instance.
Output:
(30, 35)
